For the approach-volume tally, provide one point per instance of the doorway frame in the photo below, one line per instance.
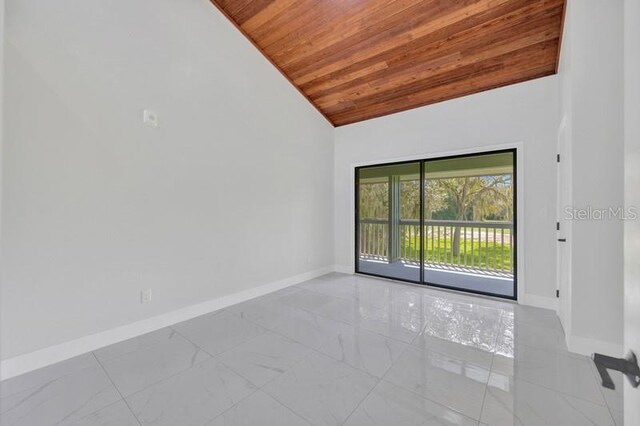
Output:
(519, 266)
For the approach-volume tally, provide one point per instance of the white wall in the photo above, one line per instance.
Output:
(1, 134)
(592, 102)
(526, 113)
(632, 198)
(233, 190)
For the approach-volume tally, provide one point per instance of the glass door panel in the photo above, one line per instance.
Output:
(388, 215)
(469, 223)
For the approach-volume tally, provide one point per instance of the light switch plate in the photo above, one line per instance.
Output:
(150, 118)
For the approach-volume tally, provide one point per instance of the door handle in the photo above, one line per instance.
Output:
(627, 366)
(562, 240)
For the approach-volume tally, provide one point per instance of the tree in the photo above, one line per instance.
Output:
(436, 198)
(374, 200)
(481, 194)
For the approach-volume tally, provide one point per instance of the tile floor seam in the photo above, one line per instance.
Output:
(332, 319)
(266, 330)
(212, 358)
(594, 370)
(257, 388)
(143, 347)
(279, 333)
(293, 412)
(361, 401)
(411, 343)
(234, 405)
(245, 378)
(270, 330)
(549, 351)
(351, 299)
(278, 400)
(486, 388)
(605, 405)
(243, 343)
(339, 360)
(117, 390)
(290, 409)
(375, 386)
(304, 358)
(225, 411)
(207, 352)
(225, 366)
(103, 408)
(247, 397)
(319, 314)
(443, 353)
(429, 399)
(169, 376)
(261, 388)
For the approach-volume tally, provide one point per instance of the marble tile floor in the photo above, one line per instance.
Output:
(336, 350)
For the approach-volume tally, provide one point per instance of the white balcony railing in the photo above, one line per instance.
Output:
(478, 246)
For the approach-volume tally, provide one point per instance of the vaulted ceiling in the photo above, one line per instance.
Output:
(360, 59)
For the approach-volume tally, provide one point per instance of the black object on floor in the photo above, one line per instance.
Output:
(627, 366)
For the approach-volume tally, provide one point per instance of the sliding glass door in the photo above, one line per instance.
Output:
(445, 222)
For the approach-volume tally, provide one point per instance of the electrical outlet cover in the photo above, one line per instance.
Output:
(146, 295)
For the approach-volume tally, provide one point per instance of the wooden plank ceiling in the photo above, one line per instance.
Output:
(360, 59)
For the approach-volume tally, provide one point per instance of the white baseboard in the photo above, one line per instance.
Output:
(540, 302)
(586, 346)
(41, 358)
(344, 269)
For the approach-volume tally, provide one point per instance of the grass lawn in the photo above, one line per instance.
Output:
(486, 255)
